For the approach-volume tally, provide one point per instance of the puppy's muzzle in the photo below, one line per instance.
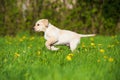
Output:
(33, 28)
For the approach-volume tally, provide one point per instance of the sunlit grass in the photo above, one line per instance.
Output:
(25, 57)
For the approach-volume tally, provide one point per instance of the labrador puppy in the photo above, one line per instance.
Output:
(55, 36)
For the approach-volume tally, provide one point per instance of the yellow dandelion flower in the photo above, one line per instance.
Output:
(16, 55)
(69, 58)
(98, 60)
(92, 44)
(110, 59)
(102, 50)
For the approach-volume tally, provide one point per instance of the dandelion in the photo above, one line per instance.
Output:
(98, 60)
(16, 55)
(69, 56)
(102, 50)
(110, 59)
(92, 44)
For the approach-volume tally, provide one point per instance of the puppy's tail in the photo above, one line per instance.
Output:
(86, 35)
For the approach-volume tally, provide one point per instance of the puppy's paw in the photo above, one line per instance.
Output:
(54, 48)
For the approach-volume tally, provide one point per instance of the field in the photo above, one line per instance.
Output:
(25, 57)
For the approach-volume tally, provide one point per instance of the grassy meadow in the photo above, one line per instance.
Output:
(25, 57)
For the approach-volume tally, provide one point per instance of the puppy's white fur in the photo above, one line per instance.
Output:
(56, 36)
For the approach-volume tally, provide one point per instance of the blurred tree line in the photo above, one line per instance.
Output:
(82, 16)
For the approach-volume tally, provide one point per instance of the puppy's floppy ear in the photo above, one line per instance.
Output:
(45, 22)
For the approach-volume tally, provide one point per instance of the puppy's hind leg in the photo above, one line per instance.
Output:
(73, 44)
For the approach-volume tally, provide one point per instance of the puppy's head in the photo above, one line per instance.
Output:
(41, 25)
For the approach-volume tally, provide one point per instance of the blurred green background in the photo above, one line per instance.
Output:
(83, 16)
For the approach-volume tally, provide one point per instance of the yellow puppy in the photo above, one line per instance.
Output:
(56, 36)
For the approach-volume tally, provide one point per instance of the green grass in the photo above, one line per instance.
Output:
(25, 57)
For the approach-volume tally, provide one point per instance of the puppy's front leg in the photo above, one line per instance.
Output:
(49, 44)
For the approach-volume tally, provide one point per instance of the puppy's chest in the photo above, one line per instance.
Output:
(49, 35)
(46, 36)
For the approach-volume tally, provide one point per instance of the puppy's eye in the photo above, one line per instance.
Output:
(38, 24)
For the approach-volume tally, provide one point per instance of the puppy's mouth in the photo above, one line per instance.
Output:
(37, 30)
(33, 28)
